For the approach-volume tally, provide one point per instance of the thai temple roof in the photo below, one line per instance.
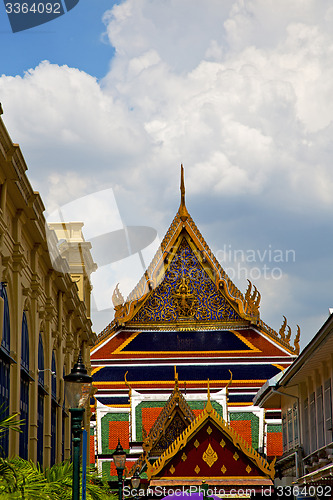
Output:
(185, 310)
(182, 267)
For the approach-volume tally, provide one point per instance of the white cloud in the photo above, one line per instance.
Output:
(241, 96)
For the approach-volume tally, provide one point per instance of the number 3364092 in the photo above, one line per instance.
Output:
(35, 8)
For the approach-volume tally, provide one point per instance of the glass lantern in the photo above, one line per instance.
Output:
(78, 385)
(119, 457)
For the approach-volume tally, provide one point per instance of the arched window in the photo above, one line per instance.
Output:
(5, 342)
(4, 366)
(40, 405)
(64, 418)
(54, 407)
(24, 395)
(54, 378)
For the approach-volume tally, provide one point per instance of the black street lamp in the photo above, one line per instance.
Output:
(205, 489)
(78, 385)
(135, 482)
(119, 458)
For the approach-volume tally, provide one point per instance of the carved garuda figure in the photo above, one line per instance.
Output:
(184, 299)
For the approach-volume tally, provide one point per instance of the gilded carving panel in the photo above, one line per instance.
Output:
(186, 291)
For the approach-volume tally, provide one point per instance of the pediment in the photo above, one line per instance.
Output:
(186, 293)
(171, 422)
(173, 429)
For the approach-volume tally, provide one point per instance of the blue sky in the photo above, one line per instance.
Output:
(74, 39)
(238, 91)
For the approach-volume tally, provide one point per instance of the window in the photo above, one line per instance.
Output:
(295, 417)
(54, 406)
(313, 422)
(290, 427)
(24, 395)
(284, 432)
(320, 417)
(4, 367)
(306, 443)
(328, 411)
(5, 342)
(64, 417)
(40, 404)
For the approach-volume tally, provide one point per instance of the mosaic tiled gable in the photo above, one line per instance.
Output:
(186, 291)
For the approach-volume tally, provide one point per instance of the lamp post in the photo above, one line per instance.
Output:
(135, 482)
(205, 488)
(78, 386)
(119, 459)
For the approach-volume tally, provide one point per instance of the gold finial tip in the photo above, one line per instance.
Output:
(182, 183)
(182, 209)
(209, 406)
(176, 377)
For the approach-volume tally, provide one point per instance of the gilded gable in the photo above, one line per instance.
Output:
(186, 292)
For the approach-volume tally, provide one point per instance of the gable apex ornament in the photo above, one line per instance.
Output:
(182, 209)
(209, 406)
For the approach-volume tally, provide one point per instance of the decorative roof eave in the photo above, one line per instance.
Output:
(190, 324)
(284, 342)
(238, 441)
(221, 482)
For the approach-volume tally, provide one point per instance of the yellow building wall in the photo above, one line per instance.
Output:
(51, 300)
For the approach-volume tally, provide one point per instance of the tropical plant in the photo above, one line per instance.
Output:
(9, 422)
(22, 479)
(25, 480)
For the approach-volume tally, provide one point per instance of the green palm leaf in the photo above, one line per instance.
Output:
(25, 480)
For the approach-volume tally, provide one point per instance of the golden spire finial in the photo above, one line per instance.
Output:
(209, 404)
(127, 384)
(229, 383)
(176, 378)
(182, 209)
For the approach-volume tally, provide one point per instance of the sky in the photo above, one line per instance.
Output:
(112, 97)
